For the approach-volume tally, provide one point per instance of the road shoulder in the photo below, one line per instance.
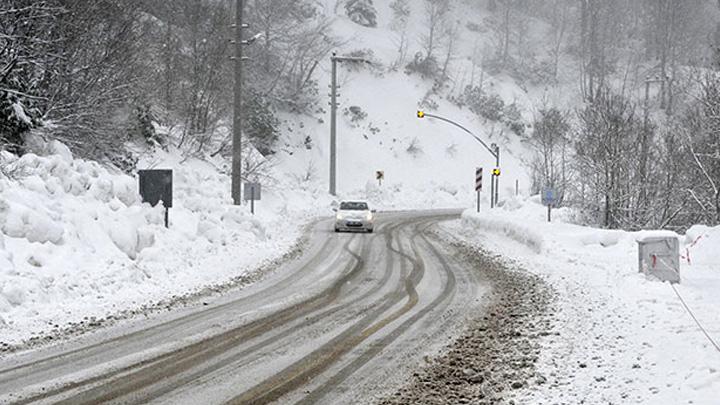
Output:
(496, 355)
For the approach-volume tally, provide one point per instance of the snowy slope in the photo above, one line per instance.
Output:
(442, 173)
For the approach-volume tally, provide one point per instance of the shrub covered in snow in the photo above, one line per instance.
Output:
(482, 103)
(361, 12)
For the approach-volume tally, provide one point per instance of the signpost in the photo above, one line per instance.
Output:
(156, 186)
(252, 193)
(380, 176)
(548, 198)
(478, 185)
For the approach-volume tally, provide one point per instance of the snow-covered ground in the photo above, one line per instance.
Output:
(622, 337)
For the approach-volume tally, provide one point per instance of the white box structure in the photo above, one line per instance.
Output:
(659, 256)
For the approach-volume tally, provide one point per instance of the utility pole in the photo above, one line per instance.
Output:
(333, 126)
(334, 59)
(237, 108)
(645, 141)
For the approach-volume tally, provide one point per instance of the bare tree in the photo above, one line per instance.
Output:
(436, 12)
(401, 14)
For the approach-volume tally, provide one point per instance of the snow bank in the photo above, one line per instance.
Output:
(76, 241)
(518, 232)
(622, 336)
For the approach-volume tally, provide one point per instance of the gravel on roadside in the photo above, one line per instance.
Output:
(495, 358)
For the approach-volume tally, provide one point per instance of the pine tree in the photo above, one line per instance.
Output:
(362, 12)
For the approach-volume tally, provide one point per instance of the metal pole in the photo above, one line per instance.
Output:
(478, 201)
(237, 108)
(333, 127)
(497, 178)
(517, 187)
(492, 190)
(167, 219)
(252, 199)
(549, 210)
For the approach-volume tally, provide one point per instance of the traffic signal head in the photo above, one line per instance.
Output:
(496, 171)
(421, 114)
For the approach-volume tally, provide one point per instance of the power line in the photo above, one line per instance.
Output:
(710, 339)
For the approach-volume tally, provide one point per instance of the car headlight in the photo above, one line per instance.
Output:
(369, 216)
(339, 216)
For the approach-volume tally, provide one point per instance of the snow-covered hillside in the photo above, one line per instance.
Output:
(425, 161)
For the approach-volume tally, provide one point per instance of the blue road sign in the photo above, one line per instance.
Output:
(548, 196)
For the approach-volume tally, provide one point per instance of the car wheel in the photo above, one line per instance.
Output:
(370, 230)
(337, 230)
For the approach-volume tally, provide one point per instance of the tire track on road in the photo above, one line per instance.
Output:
(319, 360)
(447, 293)
(241, 359)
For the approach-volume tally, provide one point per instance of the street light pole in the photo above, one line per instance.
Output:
(333, 126)
(497, 178)
(334, 59)
(494, 150)
(237, 108)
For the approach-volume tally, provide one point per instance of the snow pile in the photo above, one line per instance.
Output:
(76, 242)
(621, 336)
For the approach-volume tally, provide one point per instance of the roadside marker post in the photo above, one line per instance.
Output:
(380, 176)
(478, 184)
(253, 191)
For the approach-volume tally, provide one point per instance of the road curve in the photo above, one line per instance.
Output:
(348, 322)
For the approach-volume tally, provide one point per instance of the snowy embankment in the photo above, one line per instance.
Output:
(621, 336)
(77, 244)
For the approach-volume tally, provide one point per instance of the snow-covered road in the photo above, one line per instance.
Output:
(349, 321)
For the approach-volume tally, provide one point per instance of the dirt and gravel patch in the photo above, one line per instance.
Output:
(495, 359)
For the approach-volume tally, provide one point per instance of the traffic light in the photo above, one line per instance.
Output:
(496, 171)
(421, 114)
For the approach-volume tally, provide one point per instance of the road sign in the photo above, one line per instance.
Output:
(496, 171)
(380, 176)
(478, 185)
(252, 193)
(156, 186)
(478, 179)
(548, 196)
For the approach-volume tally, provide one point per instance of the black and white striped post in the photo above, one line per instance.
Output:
(478, 185)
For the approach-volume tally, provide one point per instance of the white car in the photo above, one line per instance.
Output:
(354, 215)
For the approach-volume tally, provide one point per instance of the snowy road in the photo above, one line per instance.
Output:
(349, 321)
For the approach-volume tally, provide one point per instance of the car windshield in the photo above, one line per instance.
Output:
(353, 206)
